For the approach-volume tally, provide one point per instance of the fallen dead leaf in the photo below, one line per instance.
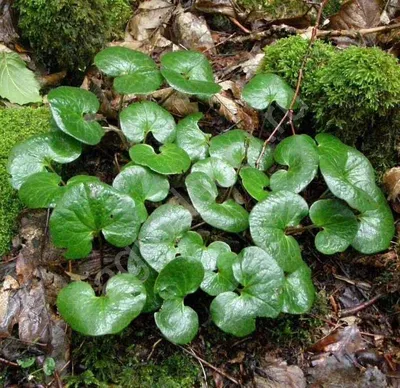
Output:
(177, 103)
(7, 30)
(223, 7)
(391, 182)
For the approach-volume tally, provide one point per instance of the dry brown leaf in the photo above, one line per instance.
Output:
(391, 181)
(177, 103)
(223, 7)
(192, 31)
(357, 14)
(7, 30)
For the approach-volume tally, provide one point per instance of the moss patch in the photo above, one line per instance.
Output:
(276, 9)
(16, 125)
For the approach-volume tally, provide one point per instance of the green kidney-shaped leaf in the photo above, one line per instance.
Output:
(192, 246)
(268, 222)
(136, 72)
(237, 147)
(72, 110)
(350, 177)
(36, 153)
(300, 154)
(179, 278)
(221, 279)
(177, 322)
(189, 72)
(298, 291)
(171, 159)
(85, 210)
(218, 170)
(264, 89)
(228, 216)
(41, 190)
(261, 296)
(142, 185)
(254, 181)
(339, 225)
(161, 232)
(191, 138)
(109, 314)
(138, 119)
(17, 83)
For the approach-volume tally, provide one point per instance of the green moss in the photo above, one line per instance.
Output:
(17, 124)
(68, 33)
(108, 360)
(276, 9)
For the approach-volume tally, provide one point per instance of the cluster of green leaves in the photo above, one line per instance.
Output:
(54, 28)
(262, 280)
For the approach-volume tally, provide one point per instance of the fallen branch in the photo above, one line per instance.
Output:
(361, 306)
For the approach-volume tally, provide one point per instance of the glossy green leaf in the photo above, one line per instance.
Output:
(191, 138)
(37, 152)
(299, 153)
(232, 145)
(261, 296)
(339, 226)
(41, 190)
(142, 185)
(180, 277)
(49, 366)
(74, 111)
(75, 180)
(26, 362)
(254, 181)
(218, 170)
(171, 159)
(138, 119)
(136, 72)
(350, 176)
(177, 322)
(228, 216)
(17, 83)
(161, 232)
(189, 72)
(298, 291)
(108, 314)
(264, 89)
(268, 222)
(85, 210)
(138, 267)
(221, 279)
(192, 246)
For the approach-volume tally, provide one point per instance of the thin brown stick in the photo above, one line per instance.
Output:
(237, 23)
(361, 306)
(214, 368)
(289, 112)
(9, 363)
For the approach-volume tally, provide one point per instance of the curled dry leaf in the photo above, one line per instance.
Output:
(222, 7)
(175, 102)
(391, 182)
(192, 31)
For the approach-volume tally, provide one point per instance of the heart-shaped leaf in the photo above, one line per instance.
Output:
(339, 225)
(85, 210)
(218, 170)
(41, 190)
(17, 83)
(189, 72)
(138, 119)
(180, 277)
(264, 89)
(350, 176)
(300, 154)
(254, 181)
(161, 232)
(138, 267)
(237, 147)
(261, 296)
(298, 291)
(136, 72)
(268, 222)
(34, 154)
(228, 216)
(73, 110)
(221, 279)
(142, 185)
(109, 314)
(177, 322)
(191, 138)
(170, 160)
(192, 246)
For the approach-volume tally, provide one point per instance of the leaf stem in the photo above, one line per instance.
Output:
(295, 230)
(55, 172)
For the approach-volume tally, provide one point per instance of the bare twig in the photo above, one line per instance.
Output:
(289, 112)
(361, 306)
(214, 368)
(8, 363)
